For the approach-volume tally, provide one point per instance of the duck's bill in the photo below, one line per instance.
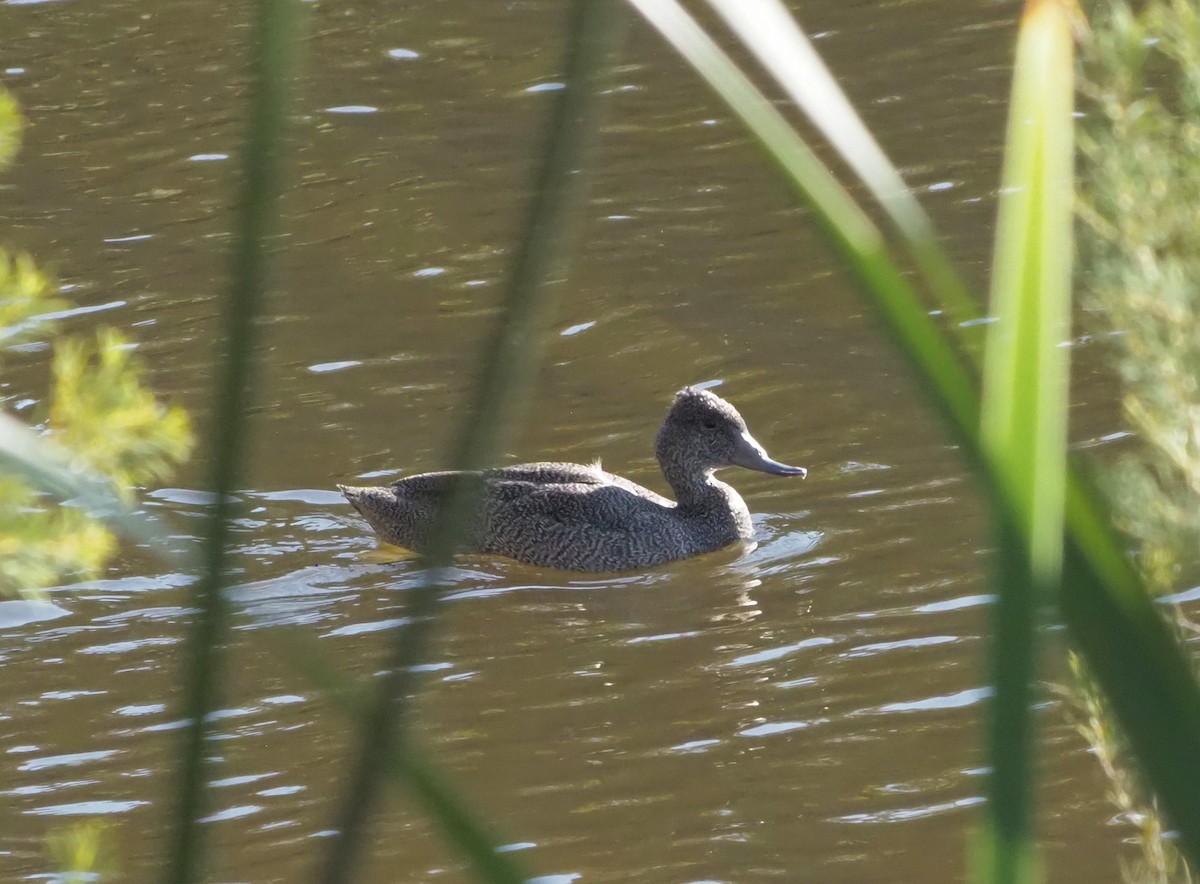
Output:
(752, 456)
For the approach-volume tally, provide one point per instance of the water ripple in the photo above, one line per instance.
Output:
(945, 701)
(911, 813)
(86, 808)
(770, 654)
(881, 647)
(71, 760)
(771, 728)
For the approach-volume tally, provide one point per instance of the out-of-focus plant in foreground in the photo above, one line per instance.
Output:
(99, 419)
(80, 853)
(1140, 184)
(1018, 423)
(1141, 165)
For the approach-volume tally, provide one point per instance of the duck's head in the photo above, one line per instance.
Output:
(702, 431)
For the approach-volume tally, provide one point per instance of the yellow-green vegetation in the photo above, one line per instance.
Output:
(1142, 174)
(10, 128)
(1133, 653)
(25, 294)
(98, 415)
(1140, 185)
(79, 852)
(102, 413)
(1159, 860)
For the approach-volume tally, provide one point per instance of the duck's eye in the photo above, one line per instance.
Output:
(709, 424)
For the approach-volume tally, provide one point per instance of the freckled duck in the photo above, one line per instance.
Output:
(565, 515)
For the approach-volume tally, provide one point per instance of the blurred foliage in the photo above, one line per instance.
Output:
(1141, 169)
(25, 294)
(1140, 165)
(40, 544)
(79, 853)
(1160, 861)
(10, 128)
(98, 410)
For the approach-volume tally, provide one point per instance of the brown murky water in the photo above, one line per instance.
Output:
(808, 711)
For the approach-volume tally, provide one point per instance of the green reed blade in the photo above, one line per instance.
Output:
(404, 764)
(1103, 601)
(859, 242)
(1024, 428)
(1024, 414)
(1135, 658)
(446, 808)
(508, 363)
(272, 62)
(770, 32)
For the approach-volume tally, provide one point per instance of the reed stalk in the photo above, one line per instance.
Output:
(272, 62)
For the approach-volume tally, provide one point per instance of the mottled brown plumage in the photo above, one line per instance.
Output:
(564, 515)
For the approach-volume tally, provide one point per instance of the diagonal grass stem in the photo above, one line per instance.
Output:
(273, 57)
(1128, 647)
(770, 32)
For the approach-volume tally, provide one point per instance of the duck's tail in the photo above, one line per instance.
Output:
(352, 494)
(399, 519)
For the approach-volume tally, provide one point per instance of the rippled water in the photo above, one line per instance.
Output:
(804, 710)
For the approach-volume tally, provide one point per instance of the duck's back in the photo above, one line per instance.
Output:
(559, 515)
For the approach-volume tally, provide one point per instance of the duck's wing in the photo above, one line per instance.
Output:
(599, 506)
(592, 476)
(557, 514)
(640, 491)
(601, 527)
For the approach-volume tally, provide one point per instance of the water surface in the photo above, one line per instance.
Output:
(806, 711)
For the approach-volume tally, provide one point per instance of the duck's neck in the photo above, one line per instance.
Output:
(694, 488)
(701, 496)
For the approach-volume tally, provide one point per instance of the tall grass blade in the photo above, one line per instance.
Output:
(272, 62)
(446, 808)
(1136, 659)
(1137, 663)
(405, 765)
(1024, 415)
(1024, 426)
(857, 239)
(770, 32)
(593, 33)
